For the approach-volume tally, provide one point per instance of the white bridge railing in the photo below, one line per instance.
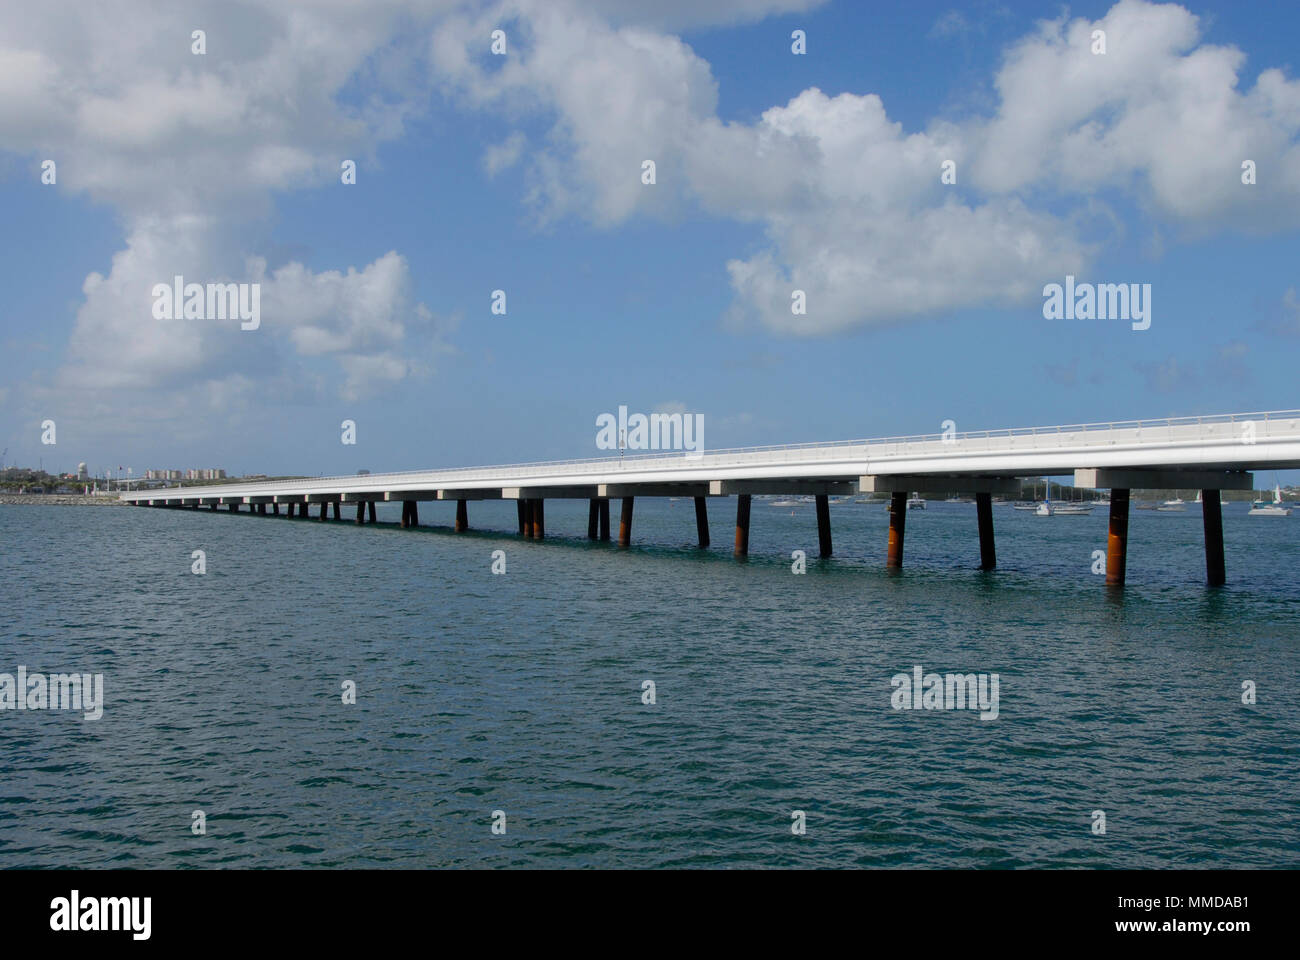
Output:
(1243, 428)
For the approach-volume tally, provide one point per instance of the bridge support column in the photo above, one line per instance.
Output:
(234, 508)
(521, 508)
(984, 514)
(372, 510)
(275, 509)
(1212, 518)
(824, 524)
(462, 516)
(604, 519)
(625, 523)
(593, 519)
(897, 527)
(1117, 538)
(742, 525)
(539, 519)
(406, 514)
(702, 520)
(337, 509)
(361, 511)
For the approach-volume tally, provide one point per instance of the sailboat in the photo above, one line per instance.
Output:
(1176, 505)
(1045, 509)
(1073, 509)
(1275, 509)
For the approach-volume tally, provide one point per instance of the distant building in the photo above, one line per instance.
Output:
(82, 472)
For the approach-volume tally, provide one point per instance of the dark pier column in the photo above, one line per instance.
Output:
(275, 509)
(625, 523)
(324, 511)
(214, 506)
(406, 515)
(984, 513)
(539, 519)
(1117, 538)
(897, 527)
(462, 516)
(530, 515)
(372, 510)
(338, 509)
(415, 513)
(521, 507)
(824, 524)
(361, 511)
(234, 508)
(742, 525)
(593, 519)
(1212, 517)
(604, 519)
(702, 520)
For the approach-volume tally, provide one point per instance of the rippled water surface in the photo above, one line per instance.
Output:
(522, 692)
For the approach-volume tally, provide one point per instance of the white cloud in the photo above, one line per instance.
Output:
(504, 155)
(1160, 112)
(851, 204)
(188, 150)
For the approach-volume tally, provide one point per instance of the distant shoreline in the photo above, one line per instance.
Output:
(61, 500)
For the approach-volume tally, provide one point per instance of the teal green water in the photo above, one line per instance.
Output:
(522, 692)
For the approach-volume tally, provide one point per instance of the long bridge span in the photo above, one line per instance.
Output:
(1209, 453)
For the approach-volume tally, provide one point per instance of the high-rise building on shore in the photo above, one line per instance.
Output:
(205, 473)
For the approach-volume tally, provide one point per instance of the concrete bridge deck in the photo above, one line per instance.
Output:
(1209, 453)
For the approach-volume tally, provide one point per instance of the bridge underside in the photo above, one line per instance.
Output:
(531, 500)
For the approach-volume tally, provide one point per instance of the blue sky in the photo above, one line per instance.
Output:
(924, 299)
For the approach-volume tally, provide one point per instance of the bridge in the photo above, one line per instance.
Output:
(1210, 453)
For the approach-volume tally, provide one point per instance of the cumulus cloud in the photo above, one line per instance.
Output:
(1160, 113)
(189, 150)
(850, 203)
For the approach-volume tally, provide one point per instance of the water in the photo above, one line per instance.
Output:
(522, 692)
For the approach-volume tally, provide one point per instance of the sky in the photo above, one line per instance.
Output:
(523, 172)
